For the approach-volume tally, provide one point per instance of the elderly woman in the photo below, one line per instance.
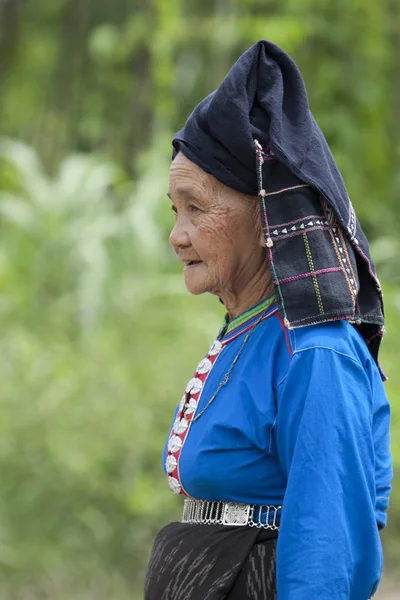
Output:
(280, 444)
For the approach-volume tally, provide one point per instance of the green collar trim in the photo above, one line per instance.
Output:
(249, 314)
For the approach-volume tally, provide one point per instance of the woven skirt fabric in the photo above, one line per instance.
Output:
(212, 562)
(257, 579)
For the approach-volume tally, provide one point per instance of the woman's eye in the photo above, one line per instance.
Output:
(193, 208)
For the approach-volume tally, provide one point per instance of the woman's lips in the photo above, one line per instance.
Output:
(192, 263)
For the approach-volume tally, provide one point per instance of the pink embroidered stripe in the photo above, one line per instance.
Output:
(310, 274)
(288, 189)
(285, 333)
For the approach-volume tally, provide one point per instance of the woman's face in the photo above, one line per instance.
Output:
(217, 232)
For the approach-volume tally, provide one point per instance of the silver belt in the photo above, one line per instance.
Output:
(231, 513)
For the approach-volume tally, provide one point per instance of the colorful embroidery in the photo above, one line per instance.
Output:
(347, 261)
(334, 239)
(250, 314)
(186, 413)
(314, 276)
(315, 218)
(310, 274)
(300, 229)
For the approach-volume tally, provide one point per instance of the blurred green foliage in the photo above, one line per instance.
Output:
(98, 336)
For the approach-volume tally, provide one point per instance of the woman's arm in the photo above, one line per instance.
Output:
(328, 545)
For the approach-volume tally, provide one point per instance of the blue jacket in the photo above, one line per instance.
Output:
(304, 423)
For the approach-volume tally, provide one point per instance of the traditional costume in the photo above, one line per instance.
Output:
(280, 443)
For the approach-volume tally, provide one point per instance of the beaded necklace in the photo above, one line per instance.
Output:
(228, 373)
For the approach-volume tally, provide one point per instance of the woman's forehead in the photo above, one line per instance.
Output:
(187, 177)
(189, 180)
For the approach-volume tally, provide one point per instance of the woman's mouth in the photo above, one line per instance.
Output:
(192, 263)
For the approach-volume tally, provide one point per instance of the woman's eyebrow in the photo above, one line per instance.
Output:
(189, 191)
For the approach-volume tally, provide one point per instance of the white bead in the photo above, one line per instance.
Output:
(194, 385)
(170, 463)
(215, 348)
(174, 444)
(180, 425)
(191, 407)
(174, 485)
(204, 366)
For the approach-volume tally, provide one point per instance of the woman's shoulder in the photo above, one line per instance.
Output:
(339, 336)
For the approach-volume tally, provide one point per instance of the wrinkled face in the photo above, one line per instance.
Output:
(217, 232)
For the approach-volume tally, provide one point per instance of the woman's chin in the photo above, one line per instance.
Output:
(195, 288)
(195, 284)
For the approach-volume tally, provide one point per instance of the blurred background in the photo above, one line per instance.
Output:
(98, 335)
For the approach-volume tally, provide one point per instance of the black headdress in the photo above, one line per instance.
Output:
(256, 134)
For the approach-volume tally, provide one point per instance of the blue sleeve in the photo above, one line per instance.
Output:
(328, 545)
(383, 457)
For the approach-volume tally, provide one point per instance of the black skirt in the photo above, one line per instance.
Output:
(212, 562)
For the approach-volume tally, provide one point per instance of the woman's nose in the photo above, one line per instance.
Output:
(179, 236)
